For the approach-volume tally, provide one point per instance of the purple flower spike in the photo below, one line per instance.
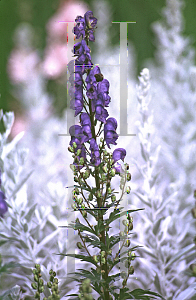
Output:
(3, 204)
(110, 134)
(95, 155)
(119, 153)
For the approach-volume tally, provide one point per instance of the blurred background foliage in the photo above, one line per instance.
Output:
(37, 13)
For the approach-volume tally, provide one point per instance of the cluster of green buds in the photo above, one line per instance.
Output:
(38, 284)
(53, 286)
(85, 290)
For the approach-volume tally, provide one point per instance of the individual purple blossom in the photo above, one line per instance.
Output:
(110, 134)
(100, 112)
(3, 204)
(86, 127)
(82, 51)
(95, 155)
(79, 29)
(91, 22)
(77, 101)
(118, 154)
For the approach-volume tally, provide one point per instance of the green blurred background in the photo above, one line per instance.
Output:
(37, 13)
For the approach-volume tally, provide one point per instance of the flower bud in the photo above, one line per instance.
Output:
(130, 226)
(127, 243)
(80, 200)
(113, 172)
(86, 174)
(73, 168)
(70, 149)
(123, 274)
(81, 160)
(78, 152)
(101, 140)
(37, 295)
(102, 253)
(99, 194)
(75, 179)
(104, 169)
(77, 191)
(113, 198)
(73, 206)
(79, 245)
(103, 260)
(121, 186)
(95, 258)
(74, 145)
(103, 177)
(90, 197)
(110, 252)
(41, 289)
(100, 145)
(34, 285)
(41, 282)
(98, 270)
(111, 162)
(131, 270)
(36, 278)
(133, 256)
(128, 176)
(109, 190)
(128, 190)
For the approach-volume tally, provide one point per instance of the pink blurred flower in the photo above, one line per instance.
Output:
(21, 65)
(55, 60)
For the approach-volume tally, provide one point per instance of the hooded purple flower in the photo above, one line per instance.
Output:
(110, 134)
(3, 204)
(119, 153)
(79, 29)
(91, 22)
(100, 112)
(82, 51)
(86, 127)
(95, 155)
(103, 91)
(77, 101)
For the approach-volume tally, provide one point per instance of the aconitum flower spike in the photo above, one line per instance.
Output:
(3, 204)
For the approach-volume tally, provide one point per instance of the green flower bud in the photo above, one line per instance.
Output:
(49, 284)
(130, 218)
(86, 174)
(51, 272)
(111, 162)
(79, 245)
(70, 149)
(100, 145)
(78, 152)
(99, 194)
(77, 191)
(41, 282)
(123, 274)
(95, 258)
(51, 278)
(41, 289)
(121, 186)
(73, 168)
(128, 190)
(130, 226)
(113, 198)
(101, 140)
(125, 222)
(131, 270)
(102, 253)
(80, 200)
(37, 266)
(34, 271)
(74, 145)
(73, 206)
(113, 172)
(104, 169)
(37, 295)
(81, 160)
(75, 179)
(127, 243)
(133, 256)
(124, 282)
(110, 252)
(36, 278)
(34, 285)
(111, 298)
(109, 190)
(128, 176)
